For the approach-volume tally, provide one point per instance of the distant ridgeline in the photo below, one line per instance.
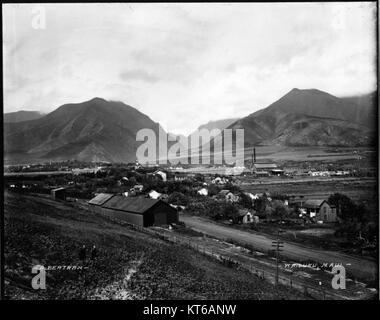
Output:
(100, 130)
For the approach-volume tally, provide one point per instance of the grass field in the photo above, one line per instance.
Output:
(130, 265)
(322, 188)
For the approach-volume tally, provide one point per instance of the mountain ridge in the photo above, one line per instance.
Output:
(298, 116)
(92, 129)
(21, 115)
(101, 130)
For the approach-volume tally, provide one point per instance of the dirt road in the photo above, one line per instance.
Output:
(358, 267)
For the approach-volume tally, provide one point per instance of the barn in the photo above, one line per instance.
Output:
(321, 210)
(140, 211)
(58, 193)
(96, 203)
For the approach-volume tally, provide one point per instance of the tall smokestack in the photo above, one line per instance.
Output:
(254, 155)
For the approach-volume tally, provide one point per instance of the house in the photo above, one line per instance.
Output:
(203, 192)
(178, 207)
(163, 196)
(320, 210)
(319, 173)
(253, 196)
(277, 172)
(137, 188)
(160, 174)
(219, 180)
(245, 217)
(228, 196)
(262, 173)
(139, 211)
(154, 194)
(180, 176)
(58, 193)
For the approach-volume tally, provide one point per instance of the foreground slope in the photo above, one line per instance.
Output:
(131, 265)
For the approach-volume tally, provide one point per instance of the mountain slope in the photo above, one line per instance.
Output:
(95, 130)
(308, 118)
(367, 107)
(218, 124)
(19, 116)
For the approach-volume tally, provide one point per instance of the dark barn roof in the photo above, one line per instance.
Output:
(313, 204)
(100, 199)
(58, 189)
(131, 204)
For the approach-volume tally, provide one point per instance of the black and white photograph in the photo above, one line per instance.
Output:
(215, 152)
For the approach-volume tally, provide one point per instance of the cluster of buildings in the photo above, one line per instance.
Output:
(328, 173)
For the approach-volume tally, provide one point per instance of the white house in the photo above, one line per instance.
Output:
(161, 174)
(137, 188)
(252, 196)
(219, 180)
(247, 217)
(203, 192)
(154, 194)
(228, 196)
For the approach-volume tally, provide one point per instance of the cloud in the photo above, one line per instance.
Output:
(186, 64)
(138, 74)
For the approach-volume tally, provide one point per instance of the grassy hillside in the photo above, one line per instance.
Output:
(131, 265)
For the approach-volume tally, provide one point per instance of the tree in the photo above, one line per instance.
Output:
(213, 190)
(245, 200)
(346, 208)
(280, 211)
(260, 204)
(178, 198)
(230, 210)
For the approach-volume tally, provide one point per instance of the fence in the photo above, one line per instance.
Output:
(287, 281)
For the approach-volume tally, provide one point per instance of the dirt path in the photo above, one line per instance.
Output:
(119, 289)
(360, 268)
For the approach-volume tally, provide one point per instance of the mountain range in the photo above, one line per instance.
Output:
(95, 130)
(100, 130)
(21, 115)
(218, 124)
(311, 118)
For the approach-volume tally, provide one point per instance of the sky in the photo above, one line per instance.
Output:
(185, 64)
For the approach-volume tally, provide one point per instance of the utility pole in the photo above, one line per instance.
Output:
(252, 159)
(278, 245)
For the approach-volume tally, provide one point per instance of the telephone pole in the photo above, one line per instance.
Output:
(278, 245)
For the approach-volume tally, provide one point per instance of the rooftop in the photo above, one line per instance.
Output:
(131, 204)
(100, 199)
(265, 165)
(316, 203)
